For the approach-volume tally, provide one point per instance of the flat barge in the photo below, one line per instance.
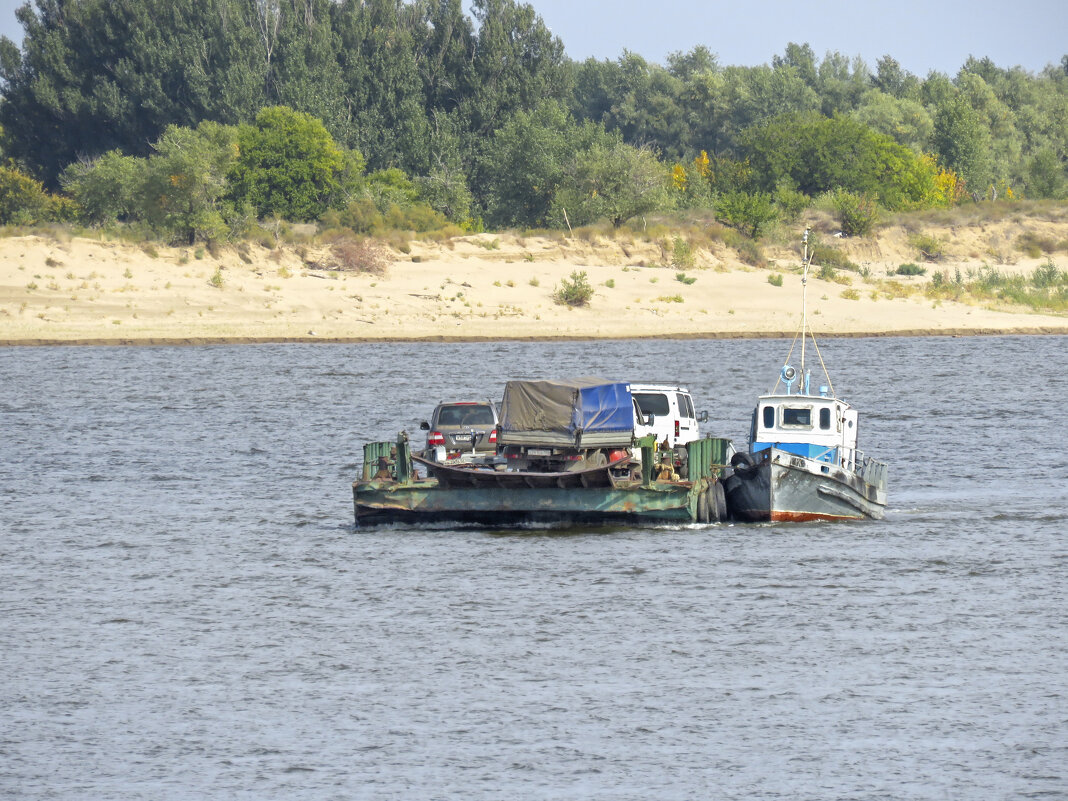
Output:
(391, 491)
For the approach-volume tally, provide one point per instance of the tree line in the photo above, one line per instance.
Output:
(196, 117)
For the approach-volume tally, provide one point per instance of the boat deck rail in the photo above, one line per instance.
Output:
(871, 470)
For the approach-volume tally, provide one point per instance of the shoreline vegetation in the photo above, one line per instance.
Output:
(914, 276)
(407, 172)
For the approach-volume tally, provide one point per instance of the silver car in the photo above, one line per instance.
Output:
(461, 430)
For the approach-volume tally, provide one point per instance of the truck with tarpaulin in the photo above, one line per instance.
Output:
(565, 425)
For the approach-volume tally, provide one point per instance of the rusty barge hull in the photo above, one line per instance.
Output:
(430, 502)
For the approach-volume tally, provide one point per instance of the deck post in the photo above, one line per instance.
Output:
(648, 446)
(404, 459)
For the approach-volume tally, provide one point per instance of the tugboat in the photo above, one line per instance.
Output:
(803, 463)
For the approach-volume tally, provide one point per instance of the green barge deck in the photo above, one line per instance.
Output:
(390, 491)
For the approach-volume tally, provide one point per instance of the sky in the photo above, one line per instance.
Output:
(923, 35)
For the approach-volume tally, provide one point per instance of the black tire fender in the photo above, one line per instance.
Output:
(744, 464)
(703, 509)
(719, 503)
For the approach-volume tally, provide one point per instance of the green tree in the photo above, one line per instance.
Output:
(391, 188)
(936, 90)
(1006, 142)
(801, 59)
(516, 64)
(907, 121)
(891, 79)
(963, 143)
(595, 89)
(106, 189)
(99, 75)
(289, 165)
(390, 200)
(445, 54)
(856, 213)
(749, 212)
(185, 181)
(703, 99)
(446, 187)
(817, 154)
(1040, 108)
(841, 83)
(23, 201)
(611, 180)
(726, 174)
(1046, 175)
(753, 95)
(304, 73)
(446, 191)
(641, 103)
(698, 61)
(523, 163)
(377, 55)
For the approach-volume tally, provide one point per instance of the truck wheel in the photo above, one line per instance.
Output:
(591, 460)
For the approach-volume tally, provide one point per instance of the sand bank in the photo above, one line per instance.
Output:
(482, 287)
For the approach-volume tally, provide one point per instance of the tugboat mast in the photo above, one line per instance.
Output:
(805, 258)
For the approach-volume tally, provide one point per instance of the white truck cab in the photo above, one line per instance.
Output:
(665, 410)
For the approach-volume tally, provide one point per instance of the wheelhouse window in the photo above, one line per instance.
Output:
(825, 419)
(769, 417)
(796, 418)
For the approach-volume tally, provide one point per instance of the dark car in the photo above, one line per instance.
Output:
(461, 430)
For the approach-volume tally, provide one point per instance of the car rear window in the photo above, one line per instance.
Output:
(685, 405)
(469, 415)
(652, 403)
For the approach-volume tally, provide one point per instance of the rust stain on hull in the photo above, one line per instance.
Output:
(779, 516)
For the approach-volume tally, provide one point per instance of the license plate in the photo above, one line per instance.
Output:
(463, 437)
(539, 452)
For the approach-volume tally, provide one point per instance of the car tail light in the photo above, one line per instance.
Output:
(493, 437)
(435, 439)
(676, 429)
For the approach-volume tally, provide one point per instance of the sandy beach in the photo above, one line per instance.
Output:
(57, 290)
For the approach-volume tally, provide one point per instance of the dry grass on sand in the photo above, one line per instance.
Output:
(495, 286)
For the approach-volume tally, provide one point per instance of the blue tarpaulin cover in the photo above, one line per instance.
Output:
(604, 407)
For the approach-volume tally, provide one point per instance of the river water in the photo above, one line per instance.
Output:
(187, 612)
